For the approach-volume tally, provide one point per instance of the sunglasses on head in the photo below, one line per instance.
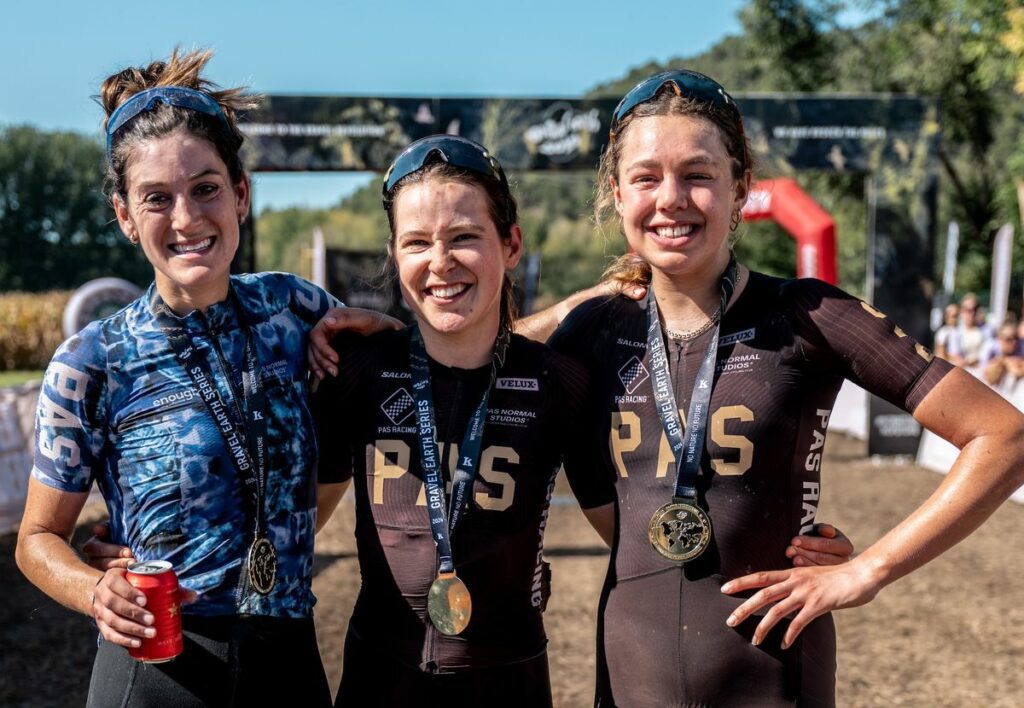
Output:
(685, 83)
(147, 100)
(456, 151)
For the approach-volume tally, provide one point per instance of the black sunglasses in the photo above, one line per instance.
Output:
(452, 149)
(690, 84)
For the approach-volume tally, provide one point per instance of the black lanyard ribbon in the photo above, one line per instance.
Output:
(430, 459)
(243, 426)
(687, 453)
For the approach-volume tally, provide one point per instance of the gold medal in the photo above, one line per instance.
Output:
(449, 604)
(262, 564)
(680, 531)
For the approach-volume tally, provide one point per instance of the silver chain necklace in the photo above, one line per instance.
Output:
(692, 333)
(689, 334)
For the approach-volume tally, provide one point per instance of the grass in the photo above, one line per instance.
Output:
(18, 377)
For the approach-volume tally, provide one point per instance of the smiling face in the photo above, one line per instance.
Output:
(675, 193)
(451, 260)
(183, 209)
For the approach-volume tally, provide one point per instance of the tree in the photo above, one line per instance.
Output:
(959, 51)
(1013, 40)
(56, 228)
(798, 39)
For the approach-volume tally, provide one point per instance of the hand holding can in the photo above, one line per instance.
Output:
(158, 582)
(120, 610)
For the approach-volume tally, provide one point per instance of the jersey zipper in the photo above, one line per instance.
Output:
(678, 378)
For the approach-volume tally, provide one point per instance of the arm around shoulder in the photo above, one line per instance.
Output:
(541, 325)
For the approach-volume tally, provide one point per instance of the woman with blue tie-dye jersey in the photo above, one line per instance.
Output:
(188, 409)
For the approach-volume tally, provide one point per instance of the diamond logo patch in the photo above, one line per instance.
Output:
(632, 374)
(398, 406)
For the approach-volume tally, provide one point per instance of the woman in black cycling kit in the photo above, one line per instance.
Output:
(453, 431)
(717, 388)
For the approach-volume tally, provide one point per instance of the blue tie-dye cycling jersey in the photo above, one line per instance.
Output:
(116, 407)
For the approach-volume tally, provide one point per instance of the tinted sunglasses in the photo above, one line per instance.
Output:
(685, 83)
(147, 100)
(456, 151)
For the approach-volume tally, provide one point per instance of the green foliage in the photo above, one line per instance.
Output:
(284, 237)
(842, 195)
(795, 39)
(1013, 40)
(574, 255)
(56, 229)
(950, 49)
(967, 53)
(9, 379)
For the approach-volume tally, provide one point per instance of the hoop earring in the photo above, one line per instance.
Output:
(735, 220)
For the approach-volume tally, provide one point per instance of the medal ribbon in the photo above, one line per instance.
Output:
(244, 428)
(430, 459)
(687, 453)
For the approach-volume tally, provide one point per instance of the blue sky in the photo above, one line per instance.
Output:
(54, 53)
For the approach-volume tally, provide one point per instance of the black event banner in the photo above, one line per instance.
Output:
(345, 133)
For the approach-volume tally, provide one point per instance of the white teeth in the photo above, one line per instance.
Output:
(190, 247)
(675, 231)
(448, 291)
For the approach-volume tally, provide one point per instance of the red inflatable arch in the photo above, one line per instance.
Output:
(782, 201)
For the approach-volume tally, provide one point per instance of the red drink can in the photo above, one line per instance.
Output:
(157, 581)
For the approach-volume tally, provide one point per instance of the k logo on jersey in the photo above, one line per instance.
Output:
(398, 406)
(633, 373)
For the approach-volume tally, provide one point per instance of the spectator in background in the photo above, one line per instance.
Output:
(1001, 362)
(971, 336)
(999, 346)
(945, 334)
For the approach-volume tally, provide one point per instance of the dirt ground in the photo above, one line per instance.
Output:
(952, 634)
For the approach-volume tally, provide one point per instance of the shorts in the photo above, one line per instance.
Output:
(372, 679)
(227, 661)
